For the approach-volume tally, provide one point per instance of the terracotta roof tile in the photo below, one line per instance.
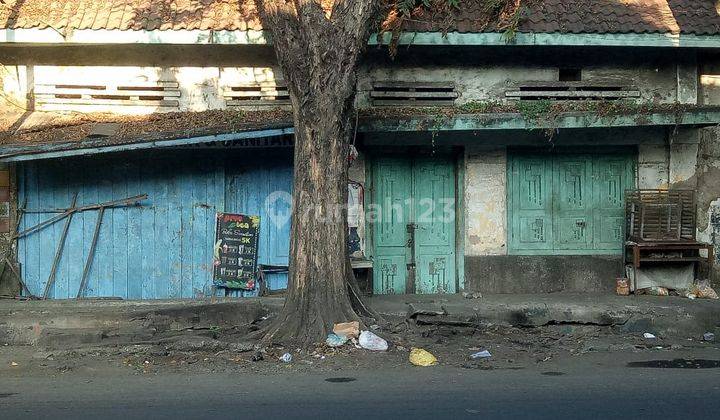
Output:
(699, 17)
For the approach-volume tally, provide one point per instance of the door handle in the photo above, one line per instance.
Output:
(580, 223)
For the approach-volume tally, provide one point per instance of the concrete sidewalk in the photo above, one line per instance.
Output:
(669, 315)
(56, 323)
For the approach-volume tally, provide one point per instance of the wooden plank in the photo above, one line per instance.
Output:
(116, 85)
(134, 232)
(412, 85)
(82, 292)
(573, 94)
(105, 252)
(189, 201)
(175, 229)
(607, 83)
(414, 95)
(45, 93)
(263, 102)
(199, 214)
(383, 102)
(119, 238)
(147, 228)
(161, 238)
(254, 94)
(106, 102)
(61, 238)
(89, 179)
(75, 256)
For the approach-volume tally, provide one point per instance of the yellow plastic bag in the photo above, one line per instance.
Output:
(422, 357)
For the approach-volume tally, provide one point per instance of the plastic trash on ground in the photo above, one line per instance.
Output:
(334, 340)
(371, 341)
(348, 329)
(481, 355)
(703, 290)
(287, 358)
(654, 291)
(649, 336)
(422, 357)
(708, 336)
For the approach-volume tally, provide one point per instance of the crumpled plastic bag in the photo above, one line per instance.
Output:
(371, 341)
(653, 291)
(335, 340)
(422, 357)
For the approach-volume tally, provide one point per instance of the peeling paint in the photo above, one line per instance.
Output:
(485, 198)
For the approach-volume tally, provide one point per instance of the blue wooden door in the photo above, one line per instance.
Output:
(262, 185)
(159, 250)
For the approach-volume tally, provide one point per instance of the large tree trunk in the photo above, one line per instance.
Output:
(318, 52)
(317, 293)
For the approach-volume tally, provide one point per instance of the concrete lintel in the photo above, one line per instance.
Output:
(516, 121)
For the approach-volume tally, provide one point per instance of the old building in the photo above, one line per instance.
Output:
(488, 160)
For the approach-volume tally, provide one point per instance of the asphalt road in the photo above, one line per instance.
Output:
(581, 388)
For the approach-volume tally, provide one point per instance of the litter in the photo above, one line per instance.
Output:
(287, 358)
(475, 295)
(622, 286)
(481, 355)
(335, 340)
(649, 336)
(703, 290)
(709, 336)
(654, 291)
(422, 357)
(348, 329)
(13, 364)
(371, 341)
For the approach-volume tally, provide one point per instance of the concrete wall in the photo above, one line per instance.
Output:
(708, 192)
(485, 201)
(203, 72)
(666, 158)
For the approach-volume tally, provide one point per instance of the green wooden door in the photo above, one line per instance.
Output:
(612, 176)
(413, 225)
(567, 203)
(572, 202)
(392, 188)
(434, 219)
(530, 191)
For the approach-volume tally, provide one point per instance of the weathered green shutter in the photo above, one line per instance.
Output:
(567, 203)
(572, 202)
(531, 201)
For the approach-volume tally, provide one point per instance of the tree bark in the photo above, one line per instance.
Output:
(318, 51)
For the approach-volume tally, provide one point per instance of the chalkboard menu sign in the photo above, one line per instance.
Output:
(235, 251)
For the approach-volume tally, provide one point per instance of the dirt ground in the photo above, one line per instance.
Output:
(217, 350)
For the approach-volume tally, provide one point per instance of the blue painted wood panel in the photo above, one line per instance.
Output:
(163, 248)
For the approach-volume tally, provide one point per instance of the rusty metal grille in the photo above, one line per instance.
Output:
(660, 215)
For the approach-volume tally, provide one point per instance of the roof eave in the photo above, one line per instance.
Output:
(705, 116)
(256, 37)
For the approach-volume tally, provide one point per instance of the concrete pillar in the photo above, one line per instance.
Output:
(486, 201)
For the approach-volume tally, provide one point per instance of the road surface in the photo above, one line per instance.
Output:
(585, 387)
